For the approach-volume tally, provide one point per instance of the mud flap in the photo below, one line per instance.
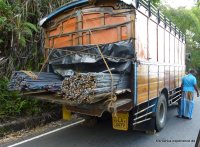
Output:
(148, 126)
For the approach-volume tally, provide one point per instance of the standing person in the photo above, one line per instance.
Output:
(186, 104)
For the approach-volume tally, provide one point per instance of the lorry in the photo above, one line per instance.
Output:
(117, 37)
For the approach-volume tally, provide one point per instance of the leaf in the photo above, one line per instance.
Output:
(22, 41)
(2, 20)
(31, 26)
(28, 31)
(155, 2)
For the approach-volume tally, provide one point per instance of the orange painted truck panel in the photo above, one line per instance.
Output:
(64, 33)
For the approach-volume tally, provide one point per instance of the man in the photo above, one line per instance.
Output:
(186, 104)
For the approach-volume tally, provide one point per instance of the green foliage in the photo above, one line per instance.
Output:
(30, 26)
(21, 44)
(188, 20)
(12, 105)
(155, 2)
(21, 39)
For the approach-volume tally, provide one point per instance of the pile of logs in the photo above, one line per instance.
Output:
(92, 87)
(21, 81)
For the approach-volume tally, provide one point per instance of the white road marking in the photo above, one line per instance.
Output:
(42, 135)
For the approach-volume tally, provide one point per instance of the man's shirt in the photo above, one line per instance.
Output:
(189, 81)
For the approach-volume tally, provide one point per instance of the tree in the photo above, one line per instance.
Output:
(20, 36)
(155, 2)
(189, 23)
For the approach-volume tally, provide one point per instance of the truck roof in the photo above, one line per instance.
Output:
(146, 4)
(62, 9)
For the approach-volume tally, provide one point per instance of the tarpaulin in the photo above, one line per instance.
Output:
(119, 57)
(88, 54)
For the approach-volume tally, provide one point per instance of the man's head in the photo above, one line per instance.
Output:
(192, 71)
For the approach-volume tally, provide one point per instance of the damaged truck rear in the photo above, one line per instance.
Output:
(110, 56)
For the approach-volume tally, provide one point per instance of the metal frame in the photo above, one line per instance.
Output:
(147, 113)
(64, 8)
(152, 10)
(135, 85)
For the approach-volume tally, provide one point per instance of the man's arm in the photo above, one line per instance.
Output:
(196, 88)
(182, 86)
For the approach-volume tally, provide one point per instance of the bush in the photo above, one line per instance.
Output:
(12, 105)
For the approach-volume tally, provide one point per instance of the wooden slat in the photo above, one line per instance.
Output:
(80, 27)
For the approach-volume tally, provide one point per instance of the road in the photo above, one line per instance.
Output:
(177, 133)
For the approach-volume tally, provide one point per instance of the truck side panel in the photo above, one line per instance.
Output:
(161, 53)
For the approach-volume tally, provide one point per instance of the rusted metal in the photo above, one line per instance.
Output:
(91, 87)
(22, 81)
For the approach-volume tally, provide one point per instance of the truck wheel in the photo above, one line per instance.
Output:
(161, 113)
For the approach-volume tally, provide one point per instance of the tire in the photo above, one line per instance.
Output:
(161, 113)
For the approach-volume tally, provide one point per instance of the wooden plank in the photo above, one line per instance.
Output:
(80, 27)
(142, 97)
(102, 18)
(119, 33)
(133, 26)
(69, 25)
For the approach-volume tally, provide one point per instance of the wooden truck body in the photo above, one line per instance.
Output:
(159, 47)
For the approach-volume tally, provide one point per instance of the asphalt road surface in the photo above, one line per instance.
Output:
(177, 133)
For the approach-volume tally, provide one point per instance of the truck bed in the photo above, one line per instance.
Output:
(95, 109)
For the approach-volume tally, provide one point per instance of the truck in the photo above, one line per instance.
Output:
(115, 37)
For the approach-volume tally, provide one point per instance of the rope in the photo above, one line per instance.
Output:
(113, 98)
(30, 74)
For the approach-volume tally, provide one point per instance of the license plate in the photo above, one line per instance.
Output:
(120, 121)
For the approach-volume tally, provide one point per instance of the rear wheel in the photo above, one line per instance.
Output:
(161, 112)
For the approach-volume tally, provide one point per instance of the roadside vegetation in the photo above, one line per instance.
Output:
(21, 43)
(12, 106)
(188, 20)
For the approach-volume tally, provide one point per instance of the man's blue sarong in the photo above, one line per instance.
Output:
(186, 105)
